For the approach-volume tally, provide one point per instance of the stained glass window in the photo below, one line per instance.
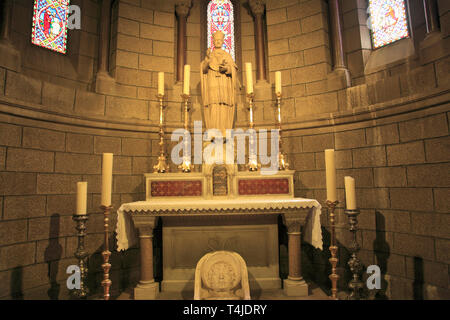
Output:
(388, 21)
(50, 24)
(221, 17)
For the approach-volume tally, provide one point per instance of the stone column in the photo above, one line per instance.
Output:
(147, 288)
(294, 285)
(103, 80)
(104, 36)
(257, 7)
(182, 8)
(336, 34)
(10, 57)
(6, 20)
(340, 67)
(431, 16)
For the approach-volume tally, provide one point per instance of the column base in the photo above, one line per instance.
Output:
(146, 291)
(342, 75)
(11, 58)
(104, 82)
(293, 288)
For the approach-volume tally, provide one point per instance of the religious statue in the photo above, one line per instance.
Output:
(218, 86)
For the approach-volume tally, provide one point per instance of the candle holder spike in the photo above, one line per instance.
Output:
(106, 254)
(334, 277)
(161, 166)
(81, 254)
(355, 285)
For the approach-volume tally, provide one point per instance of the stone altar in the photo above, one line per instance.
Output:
(195, 222)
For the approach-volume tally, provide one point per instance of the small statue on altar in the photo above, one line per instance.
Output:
(218, 86)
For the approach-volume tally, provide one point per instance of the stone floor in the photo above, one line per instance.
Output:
(315, 293)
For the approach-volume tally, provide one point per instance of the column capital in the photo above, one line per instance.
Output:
(293, 222)
(257, 6)
(145, 225)
(182, 7)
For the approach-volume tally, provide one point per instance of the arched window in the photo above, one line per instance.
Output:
(50, 24)
(221, 17)
(388, 21)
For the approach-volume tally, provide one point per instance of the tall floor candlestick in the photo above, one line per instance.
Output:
(81, 255)
(161, 166)
(187, 165)
(334, 277)
(356, 285)
(253, 164)
(106, 283)
(282, 164)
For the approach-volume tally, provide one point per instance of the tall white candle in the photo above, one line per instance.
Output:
(107, 178)
(278, 82)
(161, 83)
(81, 197)
(187, 78)
(350, 196)
(330, 167)
(249, 76)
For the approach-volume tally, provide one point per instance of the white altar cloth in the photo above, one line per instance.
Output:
(127, 237)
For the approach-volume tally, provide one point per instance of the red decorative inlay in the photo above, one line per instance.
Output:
(176, 188)
(263, 186)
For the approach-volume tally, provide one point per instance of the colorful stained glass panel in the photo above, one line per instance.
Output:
(388, 21)
(221, 17)
(50, 24)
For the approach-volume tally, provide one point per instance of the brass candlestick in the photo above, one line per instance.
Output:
(187, 165)
(253, 164)
(354, 263)
(334, 277)
(282, 163)
(106, 283)
(162, 166)
(81, 255)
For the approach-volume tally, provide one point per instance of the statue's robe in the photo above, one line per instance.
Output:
(218, 91)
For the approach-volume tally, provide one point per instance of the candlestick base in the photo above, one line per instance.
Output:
(161, 166)
(186, 166)
(253, 165)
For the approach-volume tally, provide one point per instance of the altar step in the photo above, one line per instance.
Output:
(315, 293)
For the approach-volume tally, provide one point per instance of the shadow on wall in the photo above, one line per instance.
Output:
(382, 253)
(52, 256)
(16, 283)
(418, 279)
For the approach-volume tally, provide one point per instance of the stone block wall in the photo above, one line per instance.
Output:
(40, 164)
(401, 167)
